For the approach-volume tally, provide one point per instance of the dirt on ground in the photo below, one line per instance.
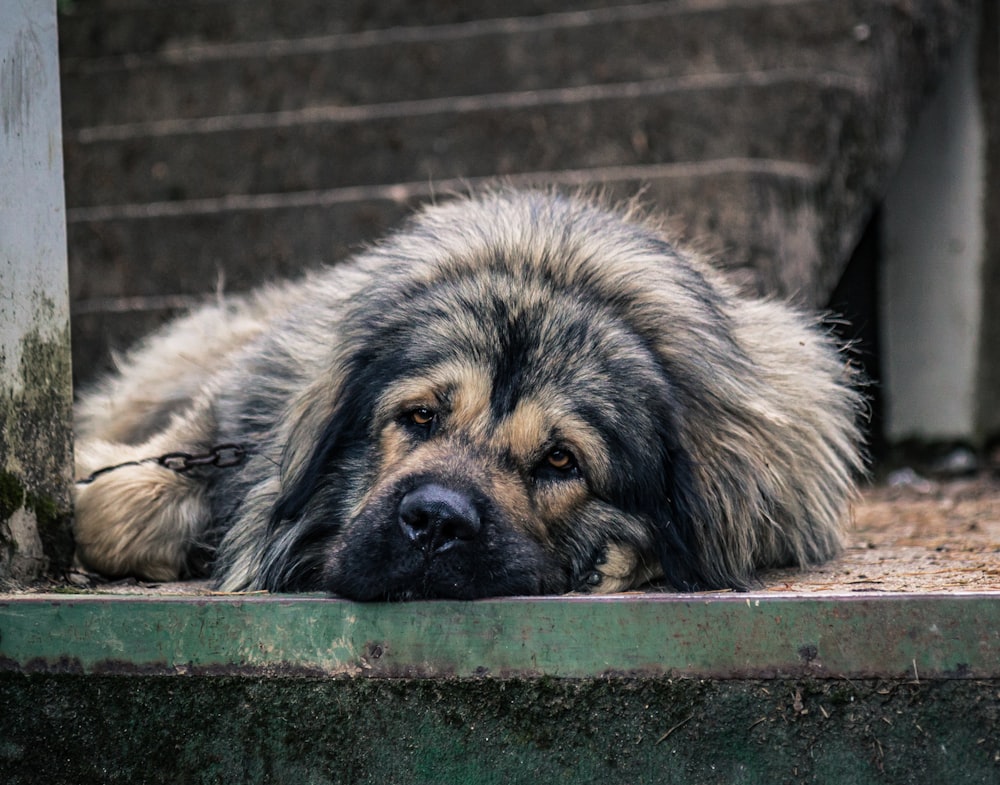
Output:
(913, 534)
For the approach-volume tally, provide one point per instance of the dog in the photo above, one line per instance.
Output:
(518, 393)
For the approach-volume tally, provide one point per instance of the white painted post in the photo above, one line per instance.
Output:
(933, 259)
(35, 376)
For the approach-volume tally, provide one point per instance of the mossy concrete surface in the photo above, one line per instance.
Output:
(632, 689)
(62, 729)
(35, 458)
(35, 377)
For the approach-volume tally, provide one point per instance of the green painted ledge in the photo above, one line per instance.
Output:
(695, 690)
(733, 636)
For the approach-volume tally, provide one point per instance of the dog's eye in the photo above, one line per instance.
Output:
(422, 417)
(561, 460)
(421, 422)
(557, 465)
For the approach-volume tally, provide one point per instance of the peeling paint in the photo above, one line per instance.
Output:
(622, 636)
(25, 554)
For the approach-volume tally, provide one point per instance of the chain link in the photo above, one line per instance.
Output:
(221, 456)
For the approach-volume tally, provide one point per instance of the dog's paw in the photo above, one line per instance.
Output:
(139, 520)
(618, 568)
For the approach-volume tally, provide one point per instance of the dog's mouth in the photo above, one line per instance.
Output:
(435, 539)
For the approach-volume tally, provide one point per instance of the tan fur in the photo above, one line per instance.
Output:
(624, 568)
(138, 519)
(528, 427)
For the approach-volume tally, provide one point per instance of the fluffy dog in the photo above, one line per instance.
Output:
(518, 393)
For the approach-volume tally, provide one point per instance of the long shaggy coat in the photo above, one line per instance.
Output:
(517, 393)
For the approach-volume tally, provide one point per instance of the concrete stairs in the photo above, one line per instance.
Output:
(213, 143)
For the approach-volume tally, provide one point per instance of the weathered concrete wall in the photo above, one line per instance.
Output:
(35, 378)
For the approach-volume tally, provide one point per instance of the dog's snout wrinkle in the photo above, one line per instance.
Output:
(435, 518)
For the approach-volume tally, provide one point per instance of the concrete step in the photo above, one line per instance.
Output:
(110, 28)
(752, 688)
(659, 121)
(279, 235)
(600, 46)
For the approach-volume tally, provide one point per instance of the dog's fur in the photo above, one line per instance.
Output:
(519, 393)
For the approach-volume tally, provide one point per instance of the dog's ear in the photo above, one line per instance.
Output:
(705, 529)
(305, 464)
(692, 501)
(326, 422)
(762, 471)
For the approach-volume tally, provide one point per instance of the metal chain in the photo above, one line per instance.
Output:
(222, 456)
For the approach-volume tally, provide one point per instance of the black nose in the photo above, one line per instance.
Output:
(435, 518)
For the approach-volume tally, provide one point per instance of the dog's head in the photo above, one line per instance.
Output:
(494, 437)
(542, 397)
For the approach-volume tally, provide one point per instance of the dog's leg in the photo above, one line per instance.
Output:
(141, 520)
